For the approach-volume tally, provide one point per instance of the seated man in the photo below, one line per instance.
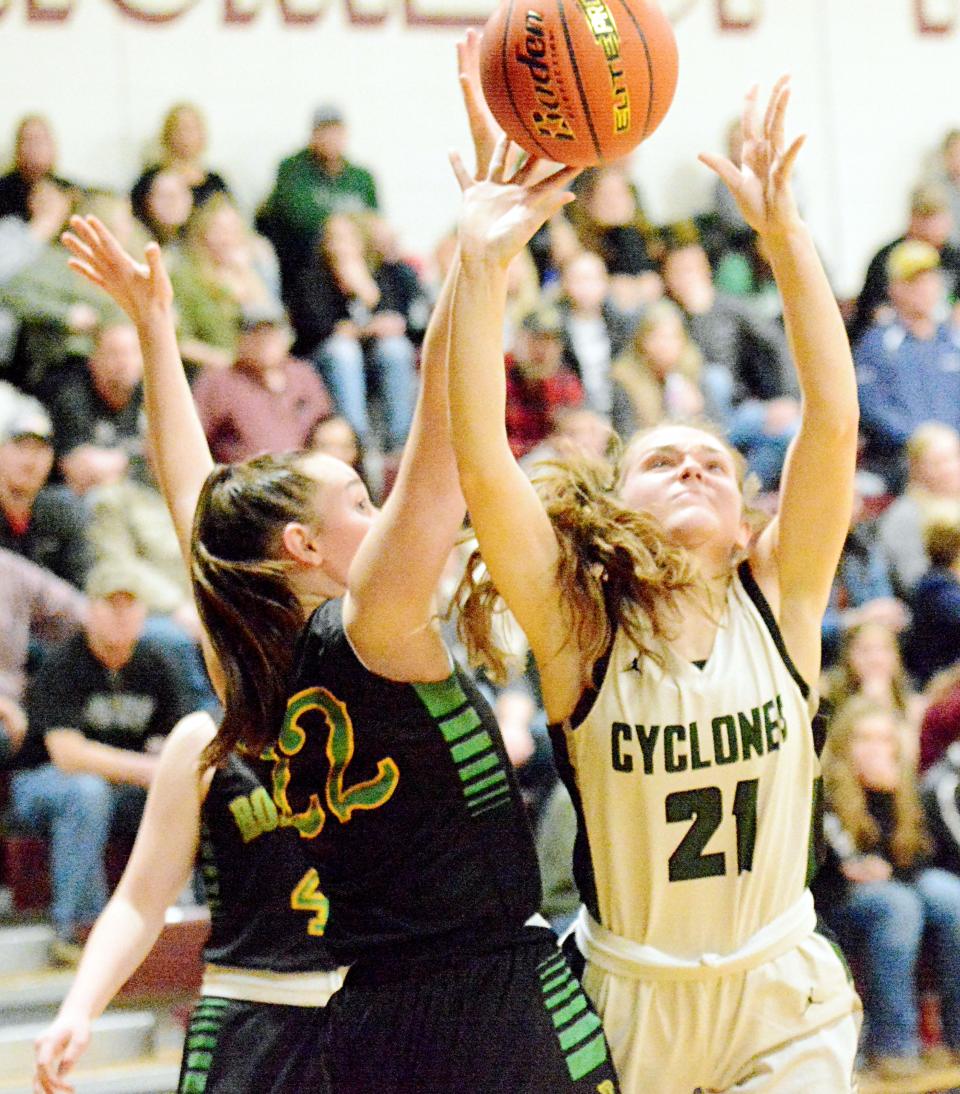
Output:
(35, 606)
(908, 371)
(47, 524)
(267, 401)
(97, 708)
(97, 411)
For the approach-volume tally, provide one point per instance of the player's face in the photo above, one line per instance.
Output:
(875, 752)
(345, 513)
(687, 479)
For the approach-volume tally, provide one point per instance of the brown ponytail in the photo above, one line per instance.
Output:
(248, 609)
(616, 569)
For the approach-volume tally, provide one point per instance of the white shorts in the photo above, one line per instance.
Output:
(787, 1026)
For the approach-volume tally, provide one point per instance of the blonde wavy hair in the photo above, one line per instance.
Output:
(616, 569)
(846, 796)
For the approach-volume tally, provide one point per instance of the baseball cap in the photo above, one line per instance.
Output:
(929, 200)
(268, 313)
(26, 418)
(107, 578)
(327, 114)
(543, 321)
(911, 257)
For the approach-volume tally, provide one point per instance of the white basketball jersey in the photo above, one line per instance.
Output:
(695, 787)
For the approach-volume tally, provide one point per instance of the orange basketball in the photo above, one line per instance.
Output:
(578, 81)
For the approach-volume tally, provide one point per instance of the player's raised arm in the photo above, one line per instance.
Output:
(159, 867)
(797, 554)
(500, 214)
(390, 610)
(175, 434)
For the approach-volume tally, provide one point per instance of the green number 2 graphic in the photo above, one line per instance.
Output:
(704, 807)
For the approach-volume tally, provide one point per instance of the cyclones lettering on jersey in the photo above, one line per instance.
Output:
(674, 748)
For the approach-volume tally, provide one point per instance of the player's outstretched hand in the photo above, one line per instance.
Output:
(143, 290)
(56, 1050)
(483, 126)
(501, 214)
(761, 184)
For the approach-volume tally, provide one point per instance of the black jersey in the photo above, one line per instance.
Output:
(257, 878)
(405, 800)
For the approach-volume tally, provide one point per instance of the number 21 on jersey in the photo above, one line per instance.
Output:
(704, 806)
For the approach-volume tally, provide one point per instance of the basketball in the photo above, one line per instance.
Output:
(578, 81)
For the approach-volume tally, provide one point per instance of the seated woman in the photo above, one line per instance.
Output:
(226, 270)
(183, 142)
(870, 667)
(662, 375)
(165, 210)
(876, 889)
(933, 640)
(609, 220)
(349, 319)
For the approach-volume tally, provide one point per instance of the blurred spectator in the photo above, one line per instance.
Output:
(933, 640)
(862, 591)
(183, 145)
(555, 837)
(312, 185)
(726, 329)
(908, 371)
(97, 707)
(165, 209)
(930, 222)
(941, 802)
(268, 401)
(946, 174)
(539, 383)
(660, 375)
(609, 220)
(59, 311)
(22, 242)
(34, 161)
(595, 331)
(35, 607)
(225, 268)
(131, 531)
(47, 524)
(576, 431)
(552, 247)
(97, 412)
(932, 494)
(941, 720)
(876, 889)
(400, 280)
(870, 667)
(335, 436)
(348, 319)
(523, 727)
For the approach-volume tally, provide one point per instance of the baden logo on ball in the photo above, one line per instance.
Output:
(578, 81)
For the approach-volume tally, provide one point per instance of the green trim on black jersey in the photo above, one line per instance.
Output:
(577, 1026)
(208, 870)
(201, 1042)
(484, 780)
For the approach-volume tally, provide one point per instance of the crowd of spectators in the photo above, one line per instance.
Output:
(299, 327)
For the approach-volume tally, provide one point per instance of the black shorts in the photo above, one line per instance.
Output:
(514, 1019)
(235, 1047)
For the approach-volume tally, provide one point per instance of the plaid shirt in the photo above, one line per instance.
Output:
(533, 403)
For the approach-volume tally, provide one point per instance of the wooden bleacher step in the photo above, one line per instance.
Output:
(156, 1074)
(24, 949)
(117, 1037)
